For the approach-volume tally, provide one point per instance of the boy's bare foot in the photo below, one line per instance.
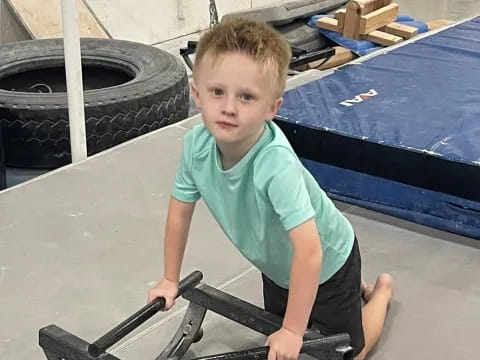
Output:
(383, 286)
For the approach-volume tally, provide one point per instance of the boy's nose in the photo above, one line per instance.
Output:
(229, 107)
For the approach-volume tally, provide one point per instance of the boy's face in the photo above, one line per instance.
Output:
(235, 97)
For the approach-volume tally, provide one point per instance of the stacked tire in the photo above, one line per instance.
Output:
(131, 89)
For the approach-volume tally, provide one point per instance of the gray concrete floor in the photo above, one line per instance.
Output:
(81, 246)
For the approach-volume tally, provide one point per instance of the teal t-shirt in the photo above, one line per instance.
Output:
(256, 202)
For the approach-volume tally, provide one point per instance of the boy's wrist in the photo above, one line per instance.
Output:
(297, 330)
(175, 282)
(172, 278)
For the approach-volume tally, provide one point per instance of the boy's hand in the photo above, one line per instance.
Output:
(284, 345)
(167, 289)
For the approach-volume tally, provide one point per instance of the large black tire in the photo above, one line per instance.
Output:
(153, 92)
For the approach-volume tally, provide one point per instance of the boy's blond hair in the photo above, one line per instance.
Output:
(252, 38)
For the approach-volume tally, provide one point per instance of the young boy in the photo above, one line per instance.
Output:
(265, 201)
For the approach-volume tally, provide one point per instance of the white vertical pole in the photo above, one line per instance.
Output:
(180, 15)
(73, 70)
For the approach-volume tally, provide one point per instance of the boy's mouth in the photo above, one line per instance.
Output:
(225, 124)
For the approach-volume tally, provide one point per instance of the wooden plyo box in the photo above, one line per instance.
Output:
(372, 20)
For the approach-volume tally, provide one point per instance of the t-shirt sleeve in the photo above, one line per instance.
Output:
(184, 188)
(280, 174)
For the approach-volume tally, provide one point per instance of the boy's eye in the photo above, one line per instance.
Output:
(247, 97)
(217, 92)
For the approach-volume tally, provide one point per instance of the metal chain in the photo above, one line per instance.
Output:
(213, 13)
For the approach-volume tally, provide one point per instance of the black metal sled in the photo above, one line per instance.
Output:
(59, 344)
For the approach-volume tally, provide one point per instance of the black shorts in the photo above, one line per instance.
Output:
(338, 305)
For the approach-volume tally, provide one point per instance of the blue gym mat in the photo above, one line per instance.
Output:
(399, 132)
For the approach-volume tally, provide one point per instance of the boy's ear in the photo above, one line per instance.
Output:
(274, 106)
(196, 97)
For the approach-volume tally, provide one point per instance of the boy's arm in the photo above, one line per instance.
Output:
(176, 233)
(305, 276)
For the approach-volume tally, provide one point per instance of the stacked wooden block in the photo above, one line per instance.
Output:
(372, 20)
